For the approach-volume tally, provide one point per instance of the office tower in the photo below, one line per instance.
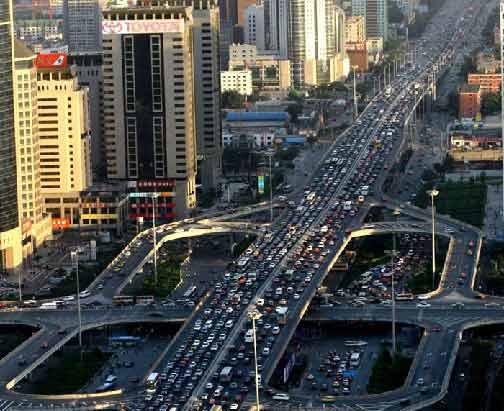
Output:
(276, 26)
(90, 75)
(10, 232)
(254, 26)
(355, 29)
(82, 31)
(316, 42)
(229, 11)
(35, 225)
(63, 128)
(205, 29)
(149, 104)
(376, 15)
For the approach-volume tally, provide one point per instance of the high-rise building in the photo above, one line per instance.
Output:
(149, 104)
(10, 231)
(355, 29)
(317, 42)
(376, 14)
(82, 31)
(205, 33)
(35, 225)
(63, 128)
(276, 26)
(254, 26)
(90, 75)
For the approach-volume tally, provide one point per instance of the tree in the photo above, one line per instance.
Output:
(294, 110)
(232, 99)
(395, 14)
(491, 103)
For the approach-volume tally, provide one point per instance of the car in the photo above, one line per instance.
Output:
(423, 305)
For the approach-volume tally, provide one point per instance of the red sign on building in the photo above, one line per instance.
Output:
(51, 61)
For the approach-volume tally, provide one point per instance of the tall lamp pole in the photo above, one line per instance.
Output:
(394, 343)
(433, 193)
(356, 106)
(255, 315)
(74, 255)
(270, 154)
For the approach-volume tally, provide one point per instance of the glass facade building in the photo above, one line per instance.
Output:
(8, 193)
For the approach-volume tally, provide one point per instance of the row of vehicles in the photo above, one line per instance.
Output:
(284, 267)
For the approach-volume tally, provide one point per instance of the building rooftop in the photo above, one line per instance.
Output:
(257, 116)
(470, 88)
(21, 50)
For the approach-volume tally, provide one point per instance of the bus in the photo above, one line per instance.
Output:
(405, 297)
(123, 300)
(152, 382)
(144, 300)
(190, 291)
(124, 340)
(52, 305)
(226, 374)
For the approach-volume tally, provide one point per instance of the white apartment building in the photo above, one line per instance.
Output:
(239, 81)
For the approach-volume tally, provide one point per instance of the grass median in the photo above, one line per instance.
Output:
(463, 200)
(388, 372)
(70, 373)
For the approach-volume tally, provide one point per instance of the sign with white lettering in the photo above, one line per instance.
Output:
(142, 26)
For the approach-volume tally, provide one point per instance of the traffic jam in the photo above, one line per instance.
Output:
(212, 359)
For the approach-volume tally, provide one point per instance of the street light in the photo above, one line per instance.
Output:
(395, 213)
(433, 193)
(254, 315)
(356, 107)
(270, 154)
(74, 256)
(153, 196)
(154, 235)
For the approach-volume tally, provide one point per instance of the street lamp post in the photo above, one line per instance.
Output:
(433, 193)
(154, 236)
(356, 107)
(270, 154)
(74, 255)
(394, 344)
(255, 315)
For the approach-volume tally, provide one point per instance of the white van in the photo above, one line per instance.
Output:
(281, 397)
(347, 205)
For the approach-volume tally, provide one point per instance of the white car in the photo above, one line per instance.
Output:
(84, 294)
(423, 305)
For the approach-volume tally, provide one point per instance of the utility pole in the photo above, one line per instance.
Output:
(356, 106)
(74, 256)
(501, 26)
(433, 193)
(255, 315)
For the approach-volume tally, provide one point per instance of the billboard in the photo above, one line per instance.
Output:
(260, 184)
(51, 61)
(142, 26)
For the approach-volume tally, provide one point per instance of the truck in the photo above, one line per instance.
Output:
(226, 374)
(355, 359)
(388, 91)
(282, 314)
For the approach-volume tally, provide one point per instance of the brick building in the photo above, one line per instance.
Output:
(469, 100)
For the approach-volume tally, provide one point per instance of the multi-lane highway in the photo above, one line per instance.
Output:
(279, 274)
